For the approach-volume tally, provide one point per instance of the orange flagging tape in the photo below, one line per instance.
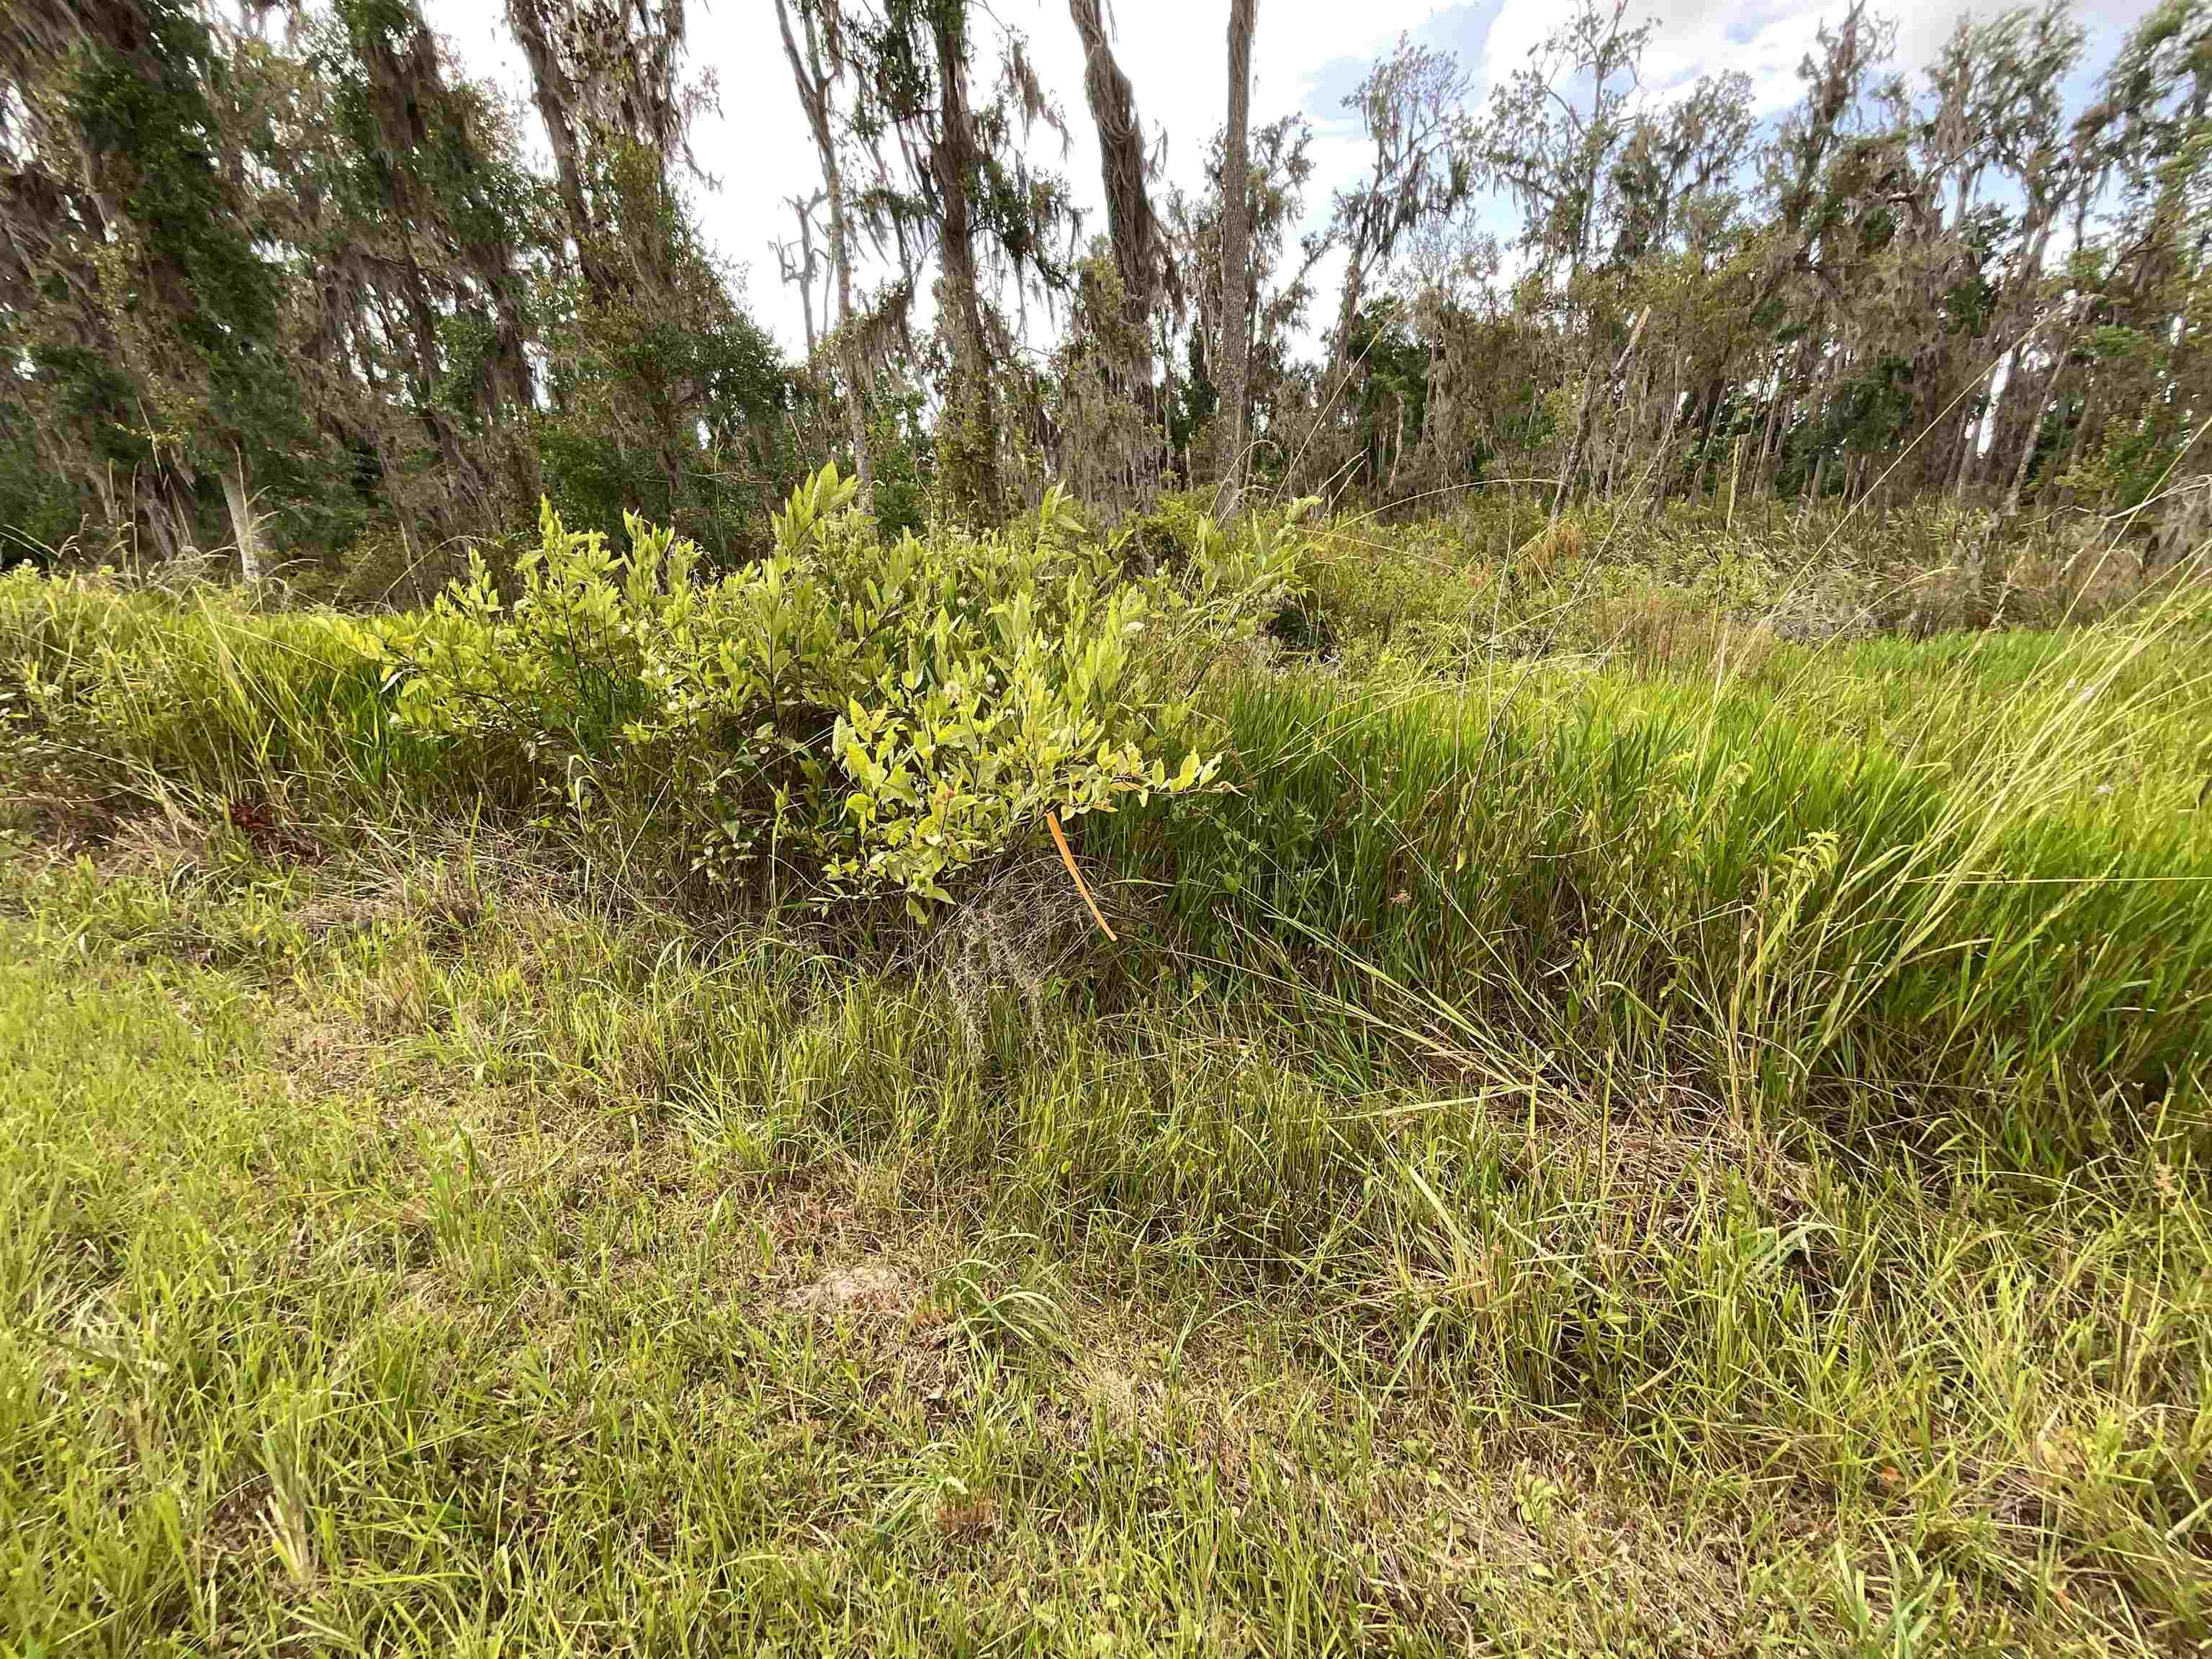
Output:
(1059, 840)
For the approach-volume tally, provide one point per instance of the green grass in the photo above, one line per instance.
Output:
(1709, 881)
(414, 1252)
(1584, 1154)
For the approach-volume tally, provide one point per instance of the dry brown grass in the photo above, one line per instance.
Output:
(1660, 630)
(1561, 541)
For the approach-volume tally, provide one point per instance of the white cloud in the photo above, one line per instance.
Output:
(1764, 40)
(1767, 39)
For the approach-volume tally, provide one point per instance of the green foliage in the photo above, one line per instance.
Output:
(147, 125)
(844, 716)
(665, 395)
(38, 511)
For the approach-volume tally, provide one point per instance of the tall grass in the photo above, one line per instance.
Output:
(203, 693)
(2013, 930)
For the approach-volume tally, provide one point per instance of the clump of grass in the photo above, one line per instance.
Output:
(1019, 1321)
(132, 690)
(1691, 875)
(1663, 631)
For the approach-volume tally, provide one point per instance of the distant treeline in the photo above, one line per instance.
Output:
(281, 281)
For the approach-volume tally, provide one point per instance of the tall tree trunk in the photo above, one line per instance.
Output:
(802, 210)
(1969, 444)
(1131, 224)
(1237, 253)
(814, 83)
(1573, 464)
(973, 404)
(1769, 472)
(2036, 405)
(1708, 415)
(1586, 403)
(1662, 469)
(556, 96)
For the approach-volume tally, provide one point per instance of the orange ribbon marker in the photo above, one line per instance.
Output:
(1059, 840)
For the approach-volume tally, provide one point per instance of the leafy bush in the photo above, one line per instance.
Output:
(852, 716)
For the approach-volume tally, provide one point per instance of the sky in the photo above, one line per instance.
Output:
(1306, 56)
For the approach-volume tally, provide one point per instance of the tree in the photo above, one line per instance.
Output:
(816, 72)
(1144, 265)
(1412, 105)
(145, 307)
(300, 287)
(2142, 380)
(665, 399)
(955, 173)
(800, 272)
(1237, 278)
(1279, 165)
(1551, 152)
(1101, 439)
(664, 396)
(415, 225)
(603, 75)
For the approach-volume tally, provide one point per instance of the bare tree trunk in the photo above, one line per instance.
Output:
(1425, 440)
(1969, 441)
(2078, 444)
(800, 272)
(2036, 405)
(814, 83)
(1662, 469)
(1236, 253)
(1574, 460)
(2022, 334)
(1583, 409)
(1766, 437)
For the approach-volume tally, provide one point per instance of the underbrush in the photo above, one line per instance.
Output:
(844, 719)
(1678, 589)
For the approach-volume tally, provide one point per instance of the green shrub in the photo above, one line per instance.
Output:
(845, 715)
